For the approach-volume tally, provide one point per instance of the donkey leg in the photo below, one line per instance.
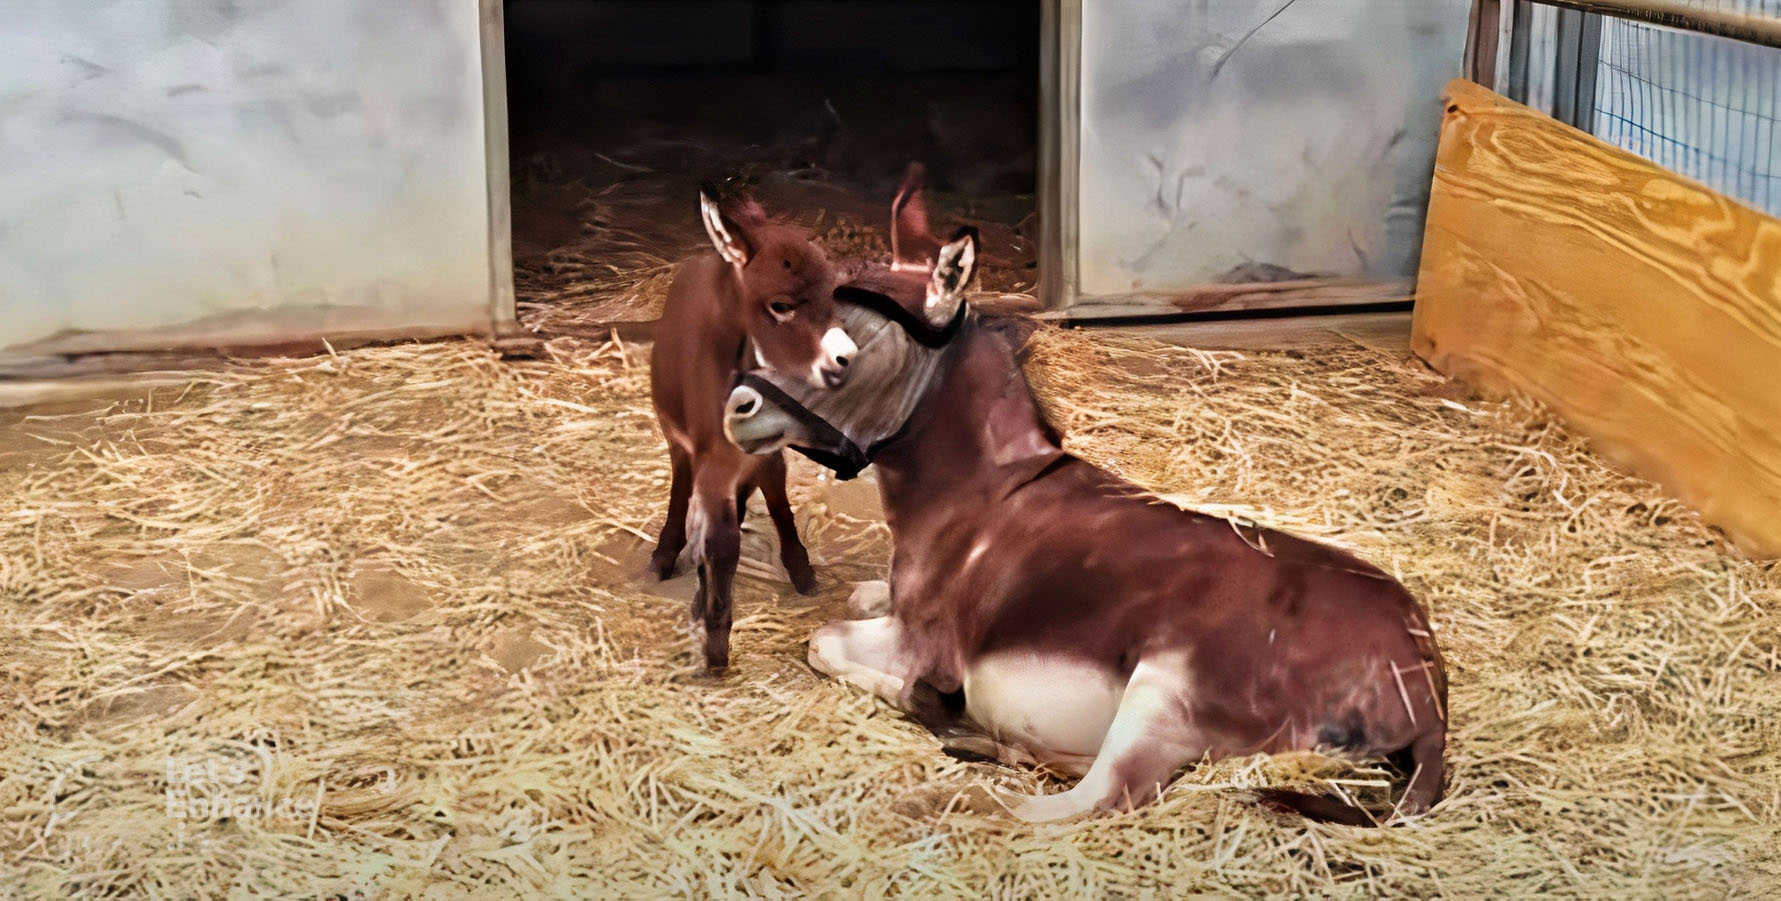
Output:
(673, 537)
(744, 491)
(1150, 739)
(791, 550)
(867, 653)
(719, 533)
(869, 600)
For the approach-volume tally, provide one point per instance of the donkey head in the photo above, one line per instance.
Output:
(787, 287)
(902, 322)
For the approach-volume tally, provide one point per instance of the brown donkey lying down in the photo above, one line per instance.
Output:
(1095, 629)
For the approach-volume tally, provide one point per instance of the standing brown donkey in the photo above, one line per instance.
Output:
(765, 296)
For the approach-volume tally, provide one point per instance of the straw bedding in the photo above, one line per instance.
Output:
(379, 610)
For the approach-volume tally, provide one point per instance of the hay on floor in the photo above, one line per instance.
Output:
(370, 623)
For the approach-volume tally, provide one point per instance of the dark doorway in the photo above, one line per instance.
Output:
(619, 108)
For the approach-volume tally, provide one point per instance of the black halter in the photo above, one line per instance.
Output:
(917, 328)
(850, 459)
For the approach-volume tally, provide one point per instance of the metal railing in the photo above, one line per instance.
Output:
(1693, 85)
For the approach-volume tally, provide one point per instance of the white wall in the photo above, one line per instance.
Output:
(1309, 146)
(241, 166)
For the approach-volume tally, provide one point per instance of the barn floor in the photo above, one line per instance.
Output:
(370, 623)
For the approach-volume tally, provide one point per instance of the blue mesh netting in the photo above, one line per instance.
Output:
(1701, 106)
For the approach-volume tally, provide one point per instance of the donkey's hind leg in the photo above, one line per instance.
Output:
(1150, 740)
(673, 536)
(771, 478)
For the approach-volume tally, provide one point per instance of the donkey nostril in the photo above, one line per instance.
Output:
(746, 408)
(841, 362)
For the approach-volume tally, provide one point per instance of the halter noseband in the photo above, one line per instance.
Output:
(846, 462)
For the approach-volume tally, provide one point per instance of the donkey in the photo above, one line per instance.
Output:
(717, 307)
(1076, 621)
(913, 245)
(765, 296)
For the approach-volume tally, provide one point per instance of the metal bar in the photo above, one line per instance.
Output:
(1589, 56)
(1481, 41)
(1764, 30)
(503, 304)
(1060, 151)
(1579, 54)
(1521, 30)
(1086, 315)
(1565, 66)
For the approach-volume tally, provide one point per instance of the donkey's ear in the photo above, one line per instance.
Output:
(912, 246)
(952, 272)
(726, 235)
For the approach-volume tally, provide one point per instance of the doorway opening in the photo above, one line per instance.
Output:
(618, 109)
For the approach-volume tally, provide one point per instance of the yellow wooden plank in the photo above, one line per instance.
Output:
(1643, 307)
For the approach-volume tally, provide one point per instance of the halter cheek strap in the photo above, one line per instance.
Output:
(849, 458)
(846, 461)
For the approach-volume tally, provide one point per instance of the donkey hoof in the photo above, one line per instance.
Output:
(661, 565)
(717, 653)
(803, 578)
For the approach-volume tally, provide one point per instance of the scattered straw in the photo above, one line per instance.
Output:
(378, 608)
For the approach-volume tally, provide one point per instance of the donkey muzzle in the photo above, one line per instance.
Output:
(759, 418)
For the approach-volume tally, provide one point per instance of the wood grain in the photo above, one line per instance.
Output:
(1643, 307)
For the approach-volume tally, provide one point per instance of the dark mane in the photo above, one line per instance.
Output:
(1015, 333)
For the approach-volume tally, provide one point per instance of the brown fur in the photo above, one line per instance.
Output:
(715, 314)
(1003, 541)
(913, 244)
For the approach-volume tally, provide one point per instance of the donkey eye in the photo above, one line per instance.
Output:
(780, 307)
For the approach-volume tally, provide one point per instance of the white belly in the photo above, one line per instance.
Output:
(1043, 702)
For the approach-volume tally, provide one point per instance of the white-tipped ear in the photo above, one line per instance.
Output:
(953, 270)
(726, 236)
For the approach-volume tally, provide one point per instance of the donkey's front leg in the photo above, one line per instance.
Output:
(868, 653)
(870, 600)
(718, 530)
(1152, 737)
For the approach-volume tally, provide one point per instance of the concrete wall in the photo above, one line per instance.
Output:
(240, 169)
(1210, 139)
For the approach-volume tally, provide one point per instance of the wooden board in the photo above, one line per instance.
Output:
(1641, 306)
